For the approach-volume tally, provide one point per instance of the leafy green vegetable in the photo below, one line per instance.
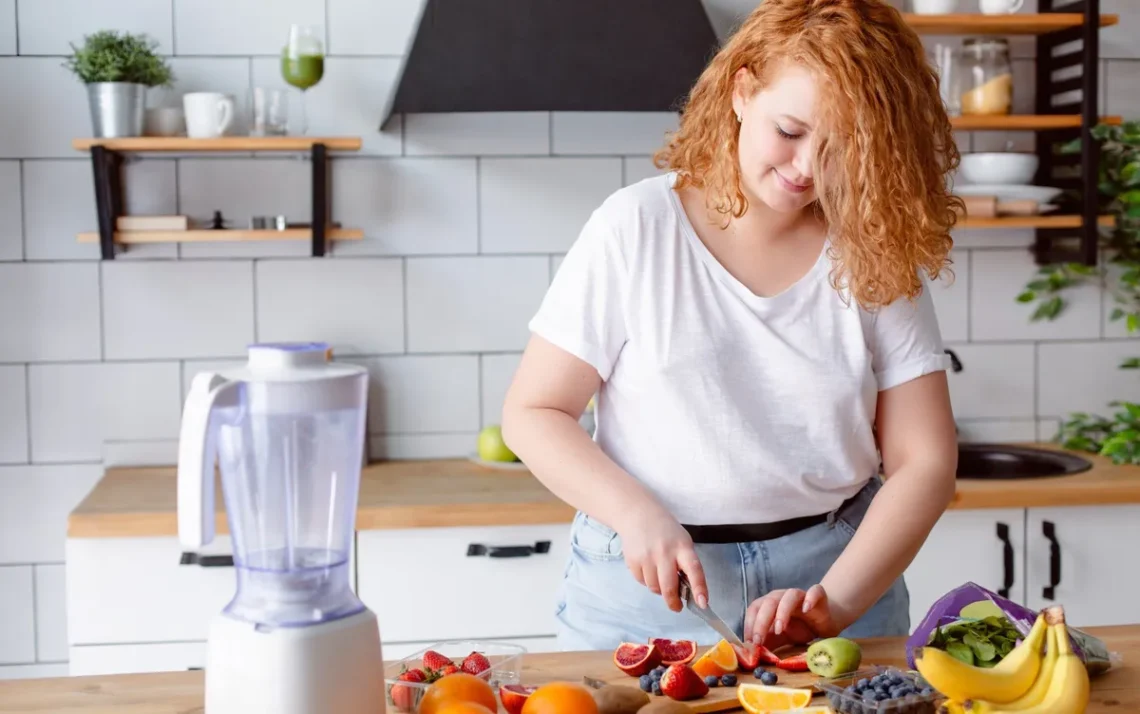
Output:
(111, 56)
(982, 643)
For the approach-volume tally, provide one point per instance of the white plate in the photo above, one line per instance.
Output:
(503, 465)
(1011, 192)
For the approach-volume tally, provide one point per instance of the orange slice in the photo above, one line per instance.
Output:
(760, 699)
(718, 660)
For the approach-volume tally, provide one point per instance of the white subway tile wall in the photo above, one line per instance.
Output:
(466, 218)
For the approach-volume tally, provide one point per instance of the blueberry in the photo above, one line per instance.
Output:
(645, 682)
(728, 680)
(769, 678)
(863, 683)
(657, 688)
(712, 680)
(758, 672)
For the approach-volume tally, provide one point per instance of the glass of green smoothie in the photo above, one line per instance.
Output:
(303, 63)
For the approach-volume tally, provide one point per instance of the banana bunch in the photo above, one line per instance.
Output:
(1032, 679)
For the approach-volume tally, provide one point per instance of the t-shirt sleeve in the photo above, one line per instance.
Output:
(583, 311)
(906, 342)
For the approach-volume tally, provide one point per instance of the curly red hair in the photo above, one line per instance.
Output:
(886, 145)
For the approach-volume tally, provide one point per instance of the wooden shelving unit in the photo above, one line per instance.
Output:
(219, 236)
(1052, 26)
(107, 156)
(1029, 222)
(965, 24)
(1023, 122)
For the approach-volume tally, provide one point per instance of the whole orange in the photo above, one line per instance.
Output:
(560, 698)
(457, 688)
(464, 708)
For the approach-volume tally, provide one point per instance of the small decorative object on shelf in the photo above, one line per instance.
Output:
(118, 69)
(106, 158)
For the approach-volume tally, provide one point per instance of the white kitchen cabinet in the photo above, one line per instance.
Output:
(1084, 558)
(428, 584)
(139, 590)
(127, 659)
(985, 546)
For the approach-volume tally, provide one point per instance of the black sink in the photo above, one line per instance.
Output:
(1003, 461)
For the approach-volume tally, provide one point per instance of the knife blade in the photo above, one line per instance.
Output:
(710, 617)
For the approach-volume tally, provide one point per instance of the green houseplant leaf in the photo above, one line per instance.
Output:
(111, 56)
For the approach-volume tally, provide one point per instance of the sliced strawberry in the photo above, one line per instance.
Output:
(766, 656)
(403, 696)
(797, 663)
(434, 660)
(475, 663)
(751, 658)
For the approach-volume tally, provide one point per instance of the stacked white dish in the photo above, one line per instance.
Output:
(1008, 176)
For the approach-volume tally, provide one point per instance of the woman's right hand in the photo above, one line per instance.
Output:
(656, 547)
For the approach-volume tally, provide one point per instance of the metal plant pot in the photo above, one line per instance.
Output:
(117, 108)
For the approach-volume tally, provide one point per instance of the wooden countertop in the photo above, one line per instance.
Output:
(181, 692)
(131, 502)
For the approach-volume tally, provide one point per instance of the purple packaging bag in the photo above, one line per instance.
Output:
(947, 610)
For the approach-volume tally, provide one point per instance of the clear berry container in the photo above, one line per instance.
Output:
(404, 696)
(844, 700)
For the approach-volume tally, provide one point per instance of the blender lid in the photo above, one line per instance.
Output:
(290, 362)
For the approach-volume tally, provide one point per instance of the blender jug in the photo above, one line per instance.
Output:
(287, 430)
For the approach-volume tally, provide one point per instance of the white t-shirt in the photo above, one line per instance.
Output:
(731, 408)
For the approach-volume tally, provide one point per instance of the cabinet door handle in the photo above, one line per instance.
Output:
(1050, 531)
(1006, 558)
(207, 561)
(508, 551)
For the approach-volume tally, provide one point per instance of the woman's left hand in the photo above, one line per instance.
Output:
(791, 616)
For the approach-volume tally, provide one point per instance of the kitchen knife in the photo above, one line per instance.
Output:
(710, 617)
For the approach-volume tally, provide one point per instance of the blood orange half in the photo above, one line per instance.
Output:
(675, 651)
(636, 659)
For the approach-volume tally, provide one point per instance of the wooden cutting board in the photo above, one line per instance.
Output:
(573, 666)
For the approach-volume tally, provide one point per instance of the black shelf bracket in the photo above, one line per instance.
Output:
(107, 166)
(321, 202)
(1076, 70)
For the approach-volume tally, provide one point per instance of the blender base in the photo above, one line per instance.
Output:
(330, 667)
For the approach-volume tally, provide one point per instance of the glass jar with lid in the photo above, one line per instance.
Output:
(986, 76)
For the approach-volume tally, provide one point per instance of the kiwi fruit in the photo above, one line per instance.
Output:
(618, 699)
(665, 706)
(834, 656)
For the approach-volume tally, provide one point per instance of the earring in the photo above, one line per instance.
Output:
(739, 118)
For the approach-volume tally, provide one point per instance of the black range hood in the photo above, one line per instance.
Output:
(553, 55)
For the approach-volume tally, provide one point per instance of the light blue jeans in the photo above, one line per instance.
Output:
(600, 605)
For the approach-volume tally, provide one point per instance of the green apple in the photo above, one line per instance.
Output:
(492, 447)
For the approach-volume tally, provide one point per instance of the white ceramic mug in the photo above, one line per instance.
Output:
(208, 114)
(934, 7)
(1000, 7)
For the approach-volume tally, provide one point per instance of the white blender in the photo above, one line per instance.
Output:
(288, 432)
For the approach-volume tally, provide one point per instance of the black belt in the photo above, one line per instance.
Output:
(753, 532)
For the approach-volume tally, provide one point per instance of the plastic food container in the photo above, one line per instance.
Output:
(506, 668)
(844, 701)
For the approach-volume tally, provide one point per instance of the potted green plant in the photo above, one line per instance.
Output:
(118, 68)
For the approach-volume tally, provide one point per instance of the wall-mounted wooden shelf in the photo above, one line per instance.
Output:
(1023, 122)
(220, 236)
(225, 143)
(107, 158)
(1028, 222)
(1018, 24)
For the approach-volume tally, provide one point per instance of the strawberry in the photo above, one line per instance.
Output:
(682, 683)
(475, 663)
(797, 663)
(750, 659)
(403, 697)
(450, 669)
(435, 661)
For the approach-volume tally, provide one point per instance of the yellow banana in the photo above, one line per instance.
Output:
(1068, 691)
(1036, 693)
(1010, 679)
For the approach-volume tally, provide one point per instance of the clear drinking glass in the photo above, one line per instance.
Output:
(270, 111)
(303, 63)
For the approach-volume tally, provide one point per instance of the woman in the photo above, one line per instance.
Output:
(756, 326)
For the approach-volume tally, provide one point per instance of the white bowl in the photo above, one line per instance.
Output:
(998, 167)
